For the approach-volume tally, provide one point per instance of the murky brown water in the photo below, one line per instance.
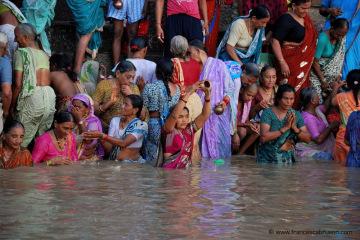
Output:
(238, 200)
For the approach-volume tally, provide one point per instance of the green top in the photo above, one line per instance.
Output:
(41, 60)
(270, 152)
(324, 48)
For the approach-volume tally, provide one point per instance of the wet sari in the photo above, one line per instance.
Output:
(90, 150)
(347, 105)
(352, 135)
(22, 157)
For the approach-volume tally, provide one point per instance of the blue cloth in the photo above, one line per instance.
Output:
(348, 7)
(5, 70)
(252, 54)
(89, 18)
(352, 135)
(131, 10)
(40, 13)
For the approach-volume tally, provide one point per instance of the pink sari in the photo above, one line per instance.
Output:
(179, 143)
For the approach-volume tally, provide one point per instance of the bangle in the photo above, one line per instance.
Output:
(105, 137)
(181, 99)
(281, 60)
(207, 99)
(49, 163)
(101, 109)
(280, 130)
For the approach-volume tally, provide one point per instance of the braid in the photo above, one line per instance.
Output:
(166, 83)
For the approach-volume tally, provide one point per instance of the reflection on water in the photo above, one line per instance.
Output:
(238, 199)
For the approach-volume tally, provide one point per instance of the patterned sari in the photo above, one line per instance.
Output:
(352, 135)
(331, 68)
(299, 58)
(252, 54)
(347, 105)
(22, 157)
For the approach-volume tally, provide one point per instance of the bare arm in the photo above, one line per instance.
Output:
(206, 111)
(158, 16)
(304, 135)
(275, 44)
(317, 70)
(324, 135)
(231, 51)
(266, 135)
(203, 10)
(17, 88)
(6, 98)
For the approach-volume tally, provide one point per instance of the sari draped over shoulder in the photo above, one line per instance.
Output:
(252, 54)
(331, 68)
(216, 137)
(22, 157)
(299, 57)
(89, 18)
(135, 127)
(40, 14)
(179, 143)
(93, 123)
(347, 105)
(352, 135)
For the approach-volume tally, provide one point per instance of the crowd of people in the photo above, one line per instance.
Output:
(272, 86)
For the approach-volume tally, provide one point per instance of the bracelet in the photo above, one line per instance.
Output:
(105, 137)
(282, 60)
(281, 131)
(207, 99)
(49, 163)
(101, 109)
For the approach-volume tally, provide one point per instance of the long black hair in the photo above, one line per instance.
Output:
(353, 82)
(164, 72)
(136, 102)
(63, 62)
(280, 92)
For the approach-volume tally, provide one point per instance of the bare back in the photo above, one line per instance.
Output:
(62, 84)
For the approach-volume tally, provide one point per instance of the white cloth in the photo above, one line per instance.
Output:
(144, 68)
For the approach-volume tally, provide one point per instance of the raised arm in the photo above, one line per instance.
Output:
(159, 7)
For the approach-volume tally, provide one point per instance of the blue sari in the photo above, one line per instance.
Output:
(352, 135)
(252, 54)
(352, 45)
(89, 18)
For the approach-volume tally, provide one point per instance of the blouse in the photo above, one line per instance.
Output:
(324, 47)
(239, 35)
(287, 29)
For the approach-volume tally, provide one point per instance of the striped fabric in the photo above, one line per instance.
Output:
(131, 10)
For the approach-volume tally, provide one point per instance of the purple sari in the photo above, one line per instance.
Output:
(216, 136)
(93, 123)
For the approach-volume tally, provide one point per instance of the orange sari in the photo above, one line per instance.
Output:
(213, 12)
(20, 158)
(347, 105)
(300, 57)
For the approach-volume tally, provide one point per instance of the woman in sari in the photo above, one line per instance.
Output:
(242, 41)
(294, 43)
(57, 146)
(347, 102)
(89, 19)
(12, 155)
(352, 138)
(322, 139)
(186, 73)
(109, 94)
(216, 135)
(214, 15)
(180, 130)
(280, 128)
(82, 109)
(329, 57)
(350, 10)
(159, 97)
(126, 133)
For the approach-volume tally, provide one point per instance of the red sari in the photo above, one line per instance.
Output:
(214, 13)
(20, 158)
(299, 58)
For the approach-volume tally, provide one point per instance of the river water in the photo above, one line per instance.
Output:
(236, 200)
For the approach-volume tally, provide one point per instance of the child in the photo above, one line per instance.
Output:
(244, 126)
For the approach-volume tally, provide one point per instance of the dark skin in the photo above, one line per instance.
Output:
(6, 92)
(310, 108)
(42, 75)
(335, 35)
(62, 84)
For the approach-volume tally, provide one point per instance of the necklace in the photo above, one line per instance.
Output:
(60, 141)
